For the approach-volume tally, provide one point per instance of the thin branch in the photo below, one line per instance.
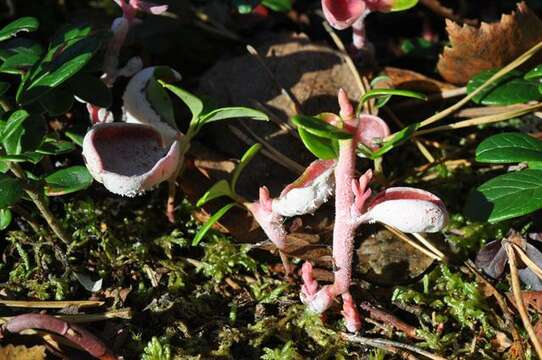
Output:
(389, 319)
(412, 243)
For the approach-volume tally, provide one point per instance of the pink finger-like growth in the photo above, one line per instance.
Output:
(99, 114)
(362, 192)
(351, 316)
(310, 285)
(129, 158)
(270, 221)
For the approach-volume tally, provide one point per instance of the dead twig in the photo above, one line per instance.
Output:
(385, 344)
(387, 318)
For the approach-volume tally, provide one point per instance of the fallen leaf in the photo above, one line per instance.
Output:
(488, 46)
(21, 352)
(411, 80)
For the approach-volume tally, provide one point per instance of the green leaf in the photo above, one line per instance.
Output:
(509, 148)
(535, 165)
(247, 156)
(232, 113)
(57, 101)
(399, 138)
(506, 196)
(77, 138)
(195, 105)
(19, 62)
(5, 218)
(10, 191)
(59, 65)
(387, 93)
(400, 5)
(278, 5)
(320, 128)
(512, 88)
(68, 180)
(32, 157)
(160, 101)
(23, 132)
(70, 32)
(220, 188)
(27, 24)
(322, 148)
(91, 90)
(13, 127)
(212, 220)
(535, 73)
(55, 147)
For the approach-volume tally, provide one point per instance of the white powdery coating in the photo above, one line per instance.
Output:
(321, 301)
(129, 165)
(409, 215)
(306, 200)
(137, 108)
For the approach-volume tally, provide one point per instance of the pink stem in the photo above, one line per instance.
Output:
(359, 38)
(344, 228)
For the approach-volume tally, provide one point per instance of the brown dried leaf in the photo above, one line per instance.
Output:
(411, 80)
(494, 45)
(21, 352)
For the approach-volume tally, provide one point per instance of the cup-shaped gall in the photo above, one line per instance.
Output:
(138, 109)
(408, 209)
(308, 192)
(341, 14)
(129, 158)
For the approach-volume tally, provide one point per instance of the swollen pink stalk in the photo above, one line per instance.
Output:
(410, 210)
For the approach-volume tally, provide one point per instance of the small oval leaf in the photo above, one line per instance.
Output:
(509, 148)
(68, 180)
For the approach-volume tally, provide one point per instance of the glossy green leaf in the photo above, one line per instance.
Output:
(506, 196)
(245, 160)
(535, 165)
(320, 147)
(23, 132)
(195, 105)
(512, 88)
(220, 188)
(55, 147)
(70, 32)
(13, 126)
(400, 5)
(160, 101)
(209, 224)
(387, 93)
(32, 157)
(20, 62)
(278, 5)
(68, 180)
(399, 138)
(232, 113)
(509, 148)
(320, 128)
(76, 137)
(5, 218)
(91, 89)
(10, 191)
(26, 24)
(58, 66)
(57, 101)
(535, 73)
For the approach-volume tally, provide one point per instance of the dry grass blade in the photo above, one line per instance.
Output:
(428, 244)
(530, 264)
(51, 304)
(482, 120)
(505, 70)
(516, 290)
(409, 241)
